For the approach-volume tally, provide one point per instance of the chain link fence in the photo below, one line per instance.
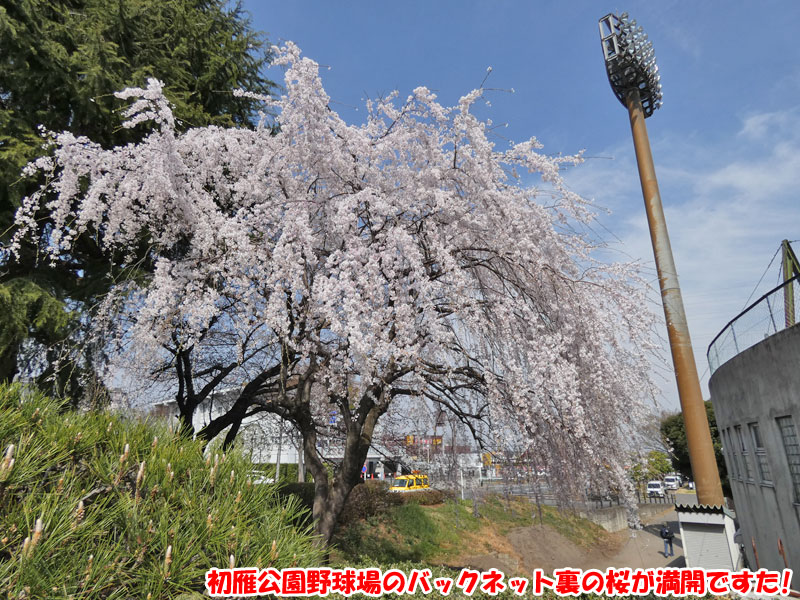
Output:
(774, 311)
(542, 494)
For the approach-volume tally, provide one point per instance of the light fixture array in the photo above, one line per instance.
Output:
(630, 61)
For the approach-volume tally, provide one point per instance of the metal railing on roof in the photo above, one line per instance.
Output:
(768, 315)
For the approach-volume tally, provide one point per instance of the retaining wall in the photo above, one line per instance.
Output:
(615, 518)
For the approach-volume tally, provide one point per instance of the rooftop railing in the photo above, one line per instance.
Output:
(768, 315)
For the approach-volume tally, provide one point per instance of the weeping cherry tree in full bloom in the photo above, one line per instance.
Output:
(316, 266)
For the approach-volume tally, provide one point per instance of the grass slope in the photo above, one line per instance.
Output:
(446, 533)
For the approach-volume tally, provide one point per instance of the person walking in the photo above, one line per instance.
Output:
(667, 535)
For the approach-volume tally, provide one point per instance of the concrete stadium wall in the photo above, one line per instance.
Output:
(760, 385)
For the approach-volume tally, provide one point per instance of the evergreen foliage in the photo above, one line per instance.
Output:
(24, 306)
(62, 60)
(126, 508)
(654, 466)
(673, 430)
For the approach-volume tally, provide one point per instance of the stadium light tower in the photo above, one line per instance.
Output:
(633, 74)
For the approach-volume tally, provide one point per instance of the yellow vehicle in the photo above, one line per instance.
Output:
(409, 483)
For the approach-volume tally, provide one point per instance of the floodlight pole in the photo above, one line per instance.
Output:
(633, 75)
(698, 434)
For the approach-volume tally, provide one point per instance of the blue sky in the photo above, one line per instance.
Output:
(726, 142)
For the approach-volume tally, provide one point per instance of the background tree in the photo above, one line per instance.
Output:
(657, 464)
(61, 61)
(370, 269)
(673, 431)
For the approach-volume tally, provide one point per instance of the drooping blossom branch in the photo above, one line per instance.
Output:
(312, 264)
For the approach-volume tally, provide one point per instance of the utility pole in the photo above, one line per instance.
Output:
(633, 74)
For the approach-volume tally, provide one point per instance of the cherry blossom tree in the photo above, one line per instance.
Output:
(318, 266)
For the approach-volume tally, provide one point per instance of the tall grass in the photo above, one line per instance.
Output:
(95, 505)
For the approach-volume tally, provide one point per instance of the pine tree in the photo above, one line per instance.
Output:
(62, 60)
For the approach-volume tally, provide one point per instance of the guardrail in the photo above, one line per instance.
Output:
(774, 311)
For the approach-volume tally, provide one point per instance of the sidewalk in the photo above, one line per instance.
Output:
(645, 548)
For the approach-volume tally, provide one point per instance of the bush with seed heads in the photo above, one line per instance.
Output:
(92, 506)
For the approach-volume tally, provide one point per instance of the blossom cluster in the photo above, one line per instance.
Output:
(405, 252)
(564, 582)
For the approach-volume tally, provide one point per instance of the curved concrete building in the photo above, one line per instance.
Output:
(756, 397)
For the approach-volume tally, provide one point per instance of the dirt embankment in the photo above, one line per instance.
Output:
(541, 547)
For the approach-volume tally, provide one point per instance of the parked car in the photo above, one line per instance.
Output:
(672, 482)
(409, 483)
(655, 489)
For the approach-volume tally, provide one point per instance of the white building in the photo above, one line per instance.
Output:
(272, 440)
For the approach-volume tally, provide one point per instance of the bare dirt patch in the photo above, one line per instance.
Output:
(541, 547)
(484, 550)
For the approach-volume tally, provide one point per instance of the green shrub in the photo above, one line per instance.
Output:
(427, 497)
(367, 500)
(117, 508)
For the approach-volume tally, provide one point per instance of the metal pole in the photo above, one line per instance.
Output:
(788, 290)
(783, 553)
(772, 317)
(755, 551)
(698, 434)
(278, 455)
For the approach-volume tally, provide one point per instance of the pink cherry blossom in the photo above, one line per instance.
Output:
(371, 268)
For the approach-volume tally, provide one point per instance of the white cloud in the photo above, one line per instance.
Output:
(761, 126)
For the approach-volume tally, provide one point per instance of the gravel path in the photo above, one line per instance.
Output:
(645, 548)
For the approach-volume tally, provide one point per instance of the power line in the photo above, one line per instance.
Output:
(747, 302)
